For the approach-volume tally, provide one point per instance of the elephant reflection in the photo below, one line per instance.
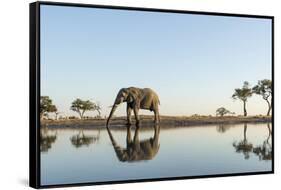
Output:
(136, 150)
(264, 151)
(244, 146)
(46, 139)
(81, 139)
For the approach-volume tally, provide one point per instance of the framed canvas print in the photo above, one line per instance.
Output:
(126, 94)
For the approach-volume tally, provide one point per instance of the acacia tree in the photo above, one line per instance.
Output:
(81, 106)
(97, 107)
(46, 106)
(243, 94)
(54, 109)
(264, 88)
(223, 111)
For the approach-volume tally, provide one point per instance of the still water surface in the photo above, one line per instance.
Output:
(92, 155)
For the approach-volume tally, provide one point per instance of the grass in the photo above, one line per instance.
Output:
(173, 121)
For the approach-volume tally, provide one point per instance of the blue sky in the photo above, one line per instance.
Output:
(193, 62)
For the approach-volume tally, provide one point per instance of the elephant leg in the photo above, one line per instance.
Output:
(129, 110)
(136, 112)
(129, 138)
(156, 135)
(136, 140)
(156, 116)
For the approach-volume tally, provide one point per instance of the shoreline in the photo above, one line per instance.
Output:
(147, 121)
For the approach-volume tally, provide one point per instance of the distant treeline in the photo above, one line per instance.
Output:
(79, 106)
(262, 88)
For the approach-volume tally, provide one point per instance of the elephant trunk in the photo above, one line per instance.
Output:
(111, 113)
(120, 152)
(111, 137)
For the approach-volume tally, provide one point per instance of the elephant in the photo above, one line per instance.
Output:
(136, 150)
(137, 98)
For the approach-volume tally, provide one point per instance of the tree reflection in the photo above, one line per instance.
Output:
(244, 146)
(264, 151)
(81, 139)
(46, 139)
(222, 128)
(136, 150)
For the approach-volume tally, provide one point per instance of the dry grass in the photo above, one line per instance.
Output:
(146, 120)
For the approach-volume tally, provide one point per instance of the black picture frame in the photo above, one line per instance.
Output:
(34, 91)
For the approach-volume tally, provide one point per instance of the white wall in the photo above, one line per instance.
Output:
(14, 92)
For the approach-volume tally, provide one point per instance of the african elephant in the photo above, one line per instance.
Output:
(136, 150)
(137, 98)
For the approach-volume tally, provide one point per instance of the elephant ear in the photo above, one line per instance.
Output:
(133, 97)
